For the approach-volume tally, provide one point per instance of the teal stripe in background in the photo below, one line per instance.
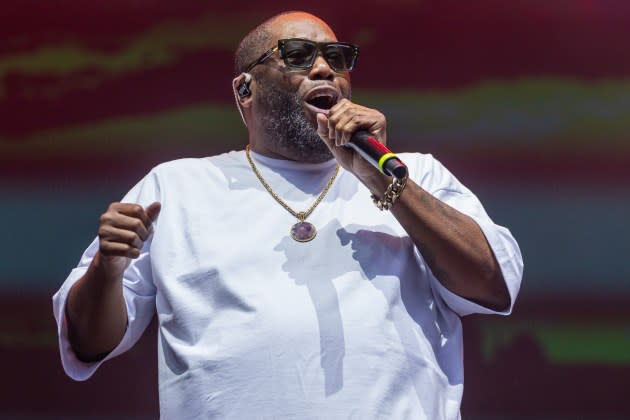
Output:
(45, 231)
(574, 240)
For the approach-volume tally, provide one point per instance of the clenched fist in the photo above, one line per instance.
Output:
(122, 231)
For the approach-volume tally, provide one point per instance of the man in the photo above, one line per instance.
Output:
(281, 290)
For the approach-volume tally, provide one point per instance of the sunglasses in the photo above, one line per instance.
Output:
(301, 54)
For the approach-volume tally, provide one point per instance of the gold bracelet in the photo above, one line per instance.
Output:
(392, 193)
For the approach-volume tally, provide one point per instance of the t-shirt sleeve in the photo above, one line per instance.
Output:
(435, 178)
(138, 291)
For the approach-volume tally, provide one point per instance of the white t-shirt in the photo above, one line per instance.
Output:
(254, 325)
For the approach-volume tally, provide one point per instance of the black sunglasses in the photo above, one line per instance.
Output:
(299, 53)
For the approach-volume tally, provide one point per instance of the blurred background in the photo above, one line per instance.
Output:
(527, 102)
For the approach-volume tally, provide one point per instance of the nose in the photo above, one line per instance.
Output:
(321, 70)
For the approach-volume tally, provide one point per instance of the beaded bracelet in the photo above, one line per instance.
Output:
(392, 193)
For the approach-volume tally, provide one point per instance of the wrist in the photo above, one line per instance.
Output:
(377, 183)
(108, 269)
(386, 200)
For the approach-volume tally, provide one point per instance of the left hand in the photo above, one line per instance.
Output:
(336, 128)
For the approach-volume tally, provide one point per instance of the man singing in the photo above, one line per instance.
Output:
(293, 279)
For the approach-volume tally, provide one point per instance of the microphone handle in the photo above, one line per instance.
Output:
(377, 154)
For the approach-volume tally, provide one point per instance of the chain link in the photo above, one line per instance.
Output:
(391, 194)
(302, 215)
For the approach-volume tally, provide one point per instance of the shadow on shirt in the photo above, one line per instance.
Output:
(387, 261)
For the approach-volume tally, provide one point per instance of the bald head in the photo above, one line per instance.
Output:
(279, 26)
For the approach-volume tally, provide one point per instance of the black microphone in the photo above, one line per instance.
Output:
(377, 154)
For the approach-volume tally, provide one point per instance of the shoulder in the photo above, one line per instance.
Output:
(191, 174)
(428, 172)
(414, 159)
(420, 164)
(195, 166)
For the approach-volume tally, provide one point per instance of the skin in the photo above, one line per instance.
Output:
(452, 243)
(96, 314)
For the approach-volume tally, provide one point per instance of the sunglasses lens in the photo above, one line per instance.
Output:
(340, 57)
(299, 53)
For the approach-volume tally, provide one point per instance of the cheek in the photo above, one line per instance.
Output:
(284, 81)
(292, 82)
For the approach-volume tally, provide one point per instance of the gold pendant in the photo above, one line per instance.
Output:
(303, 231)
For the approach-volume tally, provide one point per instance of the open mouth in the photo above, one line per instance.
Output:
(321, 99)
(323, 102)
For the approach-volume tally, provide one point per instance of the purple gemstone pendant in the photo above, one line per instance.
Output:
(303, 231)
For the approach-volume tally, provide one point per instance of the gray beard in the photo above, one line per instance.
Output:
(287, 126)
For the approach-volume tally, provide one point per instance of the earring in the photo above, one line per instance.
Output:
(243, 89)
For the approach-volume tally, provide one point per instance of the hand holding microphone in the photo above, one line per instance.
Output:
(364, 131)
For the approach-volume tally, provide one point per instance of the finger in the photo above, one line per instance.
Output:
(348, 124)
(331, 133)
(339, 106)
(153, 210)
(129, 223)
(344, 116)
(337, 113)
(349, 129)
(112, 234)
(116, 249)
(364, 122)
(334, 134)
(322, 127)
(133, 210)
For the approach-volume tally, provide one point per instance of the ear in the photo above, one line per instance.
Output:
(242, 97)
(242, 89)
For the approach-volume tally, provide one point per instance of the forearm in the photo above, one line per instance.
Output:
(95, 312)
(451, 243)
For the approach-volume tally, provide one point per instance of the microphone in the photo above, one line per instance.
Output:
(377, 154)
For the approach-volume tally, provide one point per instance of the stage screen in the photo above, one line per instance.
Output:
(527, 103)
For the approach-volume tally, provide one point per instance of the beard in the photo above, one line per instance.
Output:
(287, 126)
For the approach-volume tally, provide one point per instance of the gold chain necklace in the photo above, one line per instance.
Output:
(302, 231)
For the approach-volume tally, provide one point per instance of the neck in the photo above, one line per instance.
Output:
(277, 153)
(261, 149)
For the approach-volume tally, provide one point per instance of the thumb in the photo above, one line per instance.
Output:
(153, 210)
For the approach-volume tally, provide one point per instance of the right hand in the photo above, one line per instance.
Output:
(123, 230)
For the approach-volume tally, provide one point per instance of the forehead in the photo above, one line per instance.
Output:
(302, 27)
